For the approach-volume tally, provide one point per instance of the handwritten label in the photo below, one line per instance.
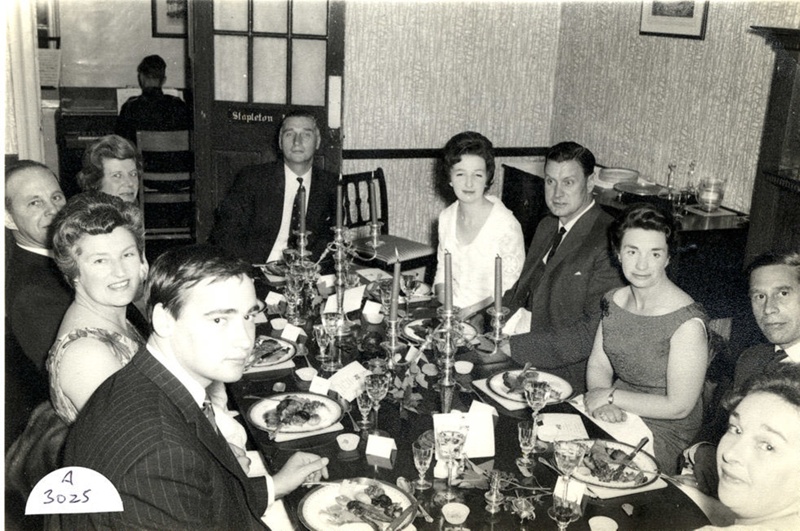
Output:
(348, 380)
(72, 490)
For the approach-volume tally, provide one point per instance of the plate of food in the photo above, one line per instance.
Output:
(295, 413)
(270, 351)
(509, 384)
(419, 329)
(601, 465)
(354, 505)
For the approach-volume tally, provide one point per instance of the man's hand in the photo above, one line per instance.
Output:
(241, 456)
(705, 469)
(301, 467)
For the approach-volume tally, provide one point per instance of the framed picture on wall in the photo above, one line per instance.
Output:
(169, 18)
(674, 18)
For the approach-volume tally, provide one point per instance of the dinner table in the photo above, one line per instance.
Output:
(663, 508)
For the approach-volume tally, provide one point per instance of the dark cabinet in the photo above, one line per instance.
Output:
(775, 207)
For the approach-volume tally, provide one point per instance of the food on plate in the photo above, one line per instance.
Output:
(422, 329)
(267, 350)
(294, 411)
(602, 461)
(355, 503)
(515, 380)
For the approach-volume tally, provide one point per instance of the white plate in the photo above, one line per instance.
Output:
(311, 507)
(330, 412)
(561, 389)
(643, 461)
(467, 330)
(285, 352)
(275, 272)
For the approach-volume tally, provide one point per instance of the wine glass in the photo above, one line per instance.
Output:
(527, 440)
(364, 402)
(385, 290)
(408, 284)
(564, 512)
(333, 323)
(423, 454)
(293, 293)
(537, 392)
(323, 340)
(377, 387)
(569, 455)
(451, 443)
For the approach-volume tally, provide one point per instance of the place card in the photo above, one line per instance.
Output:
(260, 318)
(371, 307)
(348, 380)
(380, 446)
(291, 332)
(480, 407)
(325, 284)
(572, 491)
(372, 274)
(273, 301)
(353, 298)
(319, 385)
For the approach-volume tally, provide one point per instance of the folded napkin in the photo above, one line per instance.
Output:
(510, 405)
(288, 364)
(605, 493)
(630, 431)
(285, 437)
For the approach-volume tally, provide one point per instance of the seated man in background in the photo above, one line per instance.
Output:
(152, 110)
(150, 428)
(775, 300)
(567, 271)
(256, 220)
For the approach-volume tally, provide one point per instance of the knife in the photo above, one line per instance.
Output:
(397, 522)
(627, 459)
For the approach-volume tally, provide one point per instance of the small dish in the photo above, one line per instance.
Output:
(463, 367)
(547, 433)
(373, 318)
(348, 441)
(602, 523)
(306, 374)
(279, 323)
(455, 513)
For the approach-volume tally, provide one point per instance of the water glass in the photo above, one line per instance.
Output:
(423, 454)
(451, 443)
(333, 323)
(710, 194)
(323, 340)
(377, 387)
(526, 433)
(408, 284)
(364, 402)
(569, 455)
(564, 512)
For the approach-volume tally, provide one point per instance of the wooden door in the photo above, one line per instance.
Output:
(249, 62)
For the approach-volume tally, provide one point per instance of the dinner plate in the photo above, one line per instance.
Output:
(314, 508)
(557, 384)
(284, 352)
(638, 189)
(643, 461)
(414, 330)
(373, 291)
(330, 412)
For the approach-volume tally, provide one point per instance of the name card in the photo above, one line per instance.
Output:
(371, 308)
(572, 491)
(349, 380)
(260, 318)
(380, 446)
(291, 332)
(352, 298)
(319, 385)
(273, 299)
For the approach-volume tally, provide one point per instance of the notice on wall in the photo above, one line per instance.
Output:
(49, 67)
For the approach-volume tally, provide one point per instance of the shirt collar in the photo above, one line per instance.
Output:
(573, 221)
(169, 362)
(293, 176)
(37, 250)
(792, 352)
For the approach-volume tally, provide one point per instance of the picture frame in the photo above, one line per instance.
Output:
(674, 18)
(169, 18)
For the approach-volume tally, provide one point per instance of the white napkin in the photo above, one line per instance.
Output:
(604, 493)
(519, 323)
(288, 364)
(510, 405)
(285, 437)
(630, 431)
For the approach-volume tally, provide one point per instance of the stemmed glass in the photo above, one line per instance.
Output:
(408, 284)
(377, 387)
(451, 443)
(564, 512)
(526, 432)
(333, 323)
(293, 292)
(569, 455)
(537, 392)
(323, 340)
(423, 453)
(385, 290)
(364, 402)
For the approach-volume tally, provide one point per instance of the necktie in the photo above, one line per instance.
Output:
(556, 242)
(296, 209)
(208, 411)
(776, 361)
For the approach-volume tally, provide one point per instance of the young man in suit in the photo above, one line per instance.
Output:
(567, 270)
(148, 429)
(775, 300)
(254, 221)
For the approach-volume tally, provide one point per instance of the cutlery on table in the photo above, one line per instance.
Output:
(397, 522)
(406, 487)
(623, 464)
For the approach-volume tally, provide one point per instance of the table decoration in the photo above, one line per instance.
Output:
(497, 311)
(448, 282)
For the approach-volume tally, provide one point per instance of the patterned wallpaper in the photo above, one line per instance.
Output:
(643, 102)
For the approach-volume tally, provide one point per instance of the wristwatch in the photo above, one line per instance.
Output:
(611, 396)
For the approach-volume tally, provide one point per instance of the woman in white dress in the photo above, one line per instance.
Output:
(477, 227)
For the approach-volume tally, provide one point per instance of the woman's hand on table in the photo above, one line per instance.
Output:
(597, 404)
(300, 468)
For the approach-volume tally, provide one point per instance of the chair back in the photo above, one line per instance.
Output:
(356, 199)
(523, 195)
(166, 185)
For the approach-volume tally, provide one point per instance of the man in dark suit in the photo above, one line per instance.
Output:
(36, 294)
(564, 278)
(254, 221)
(775, 300)
(148, 428)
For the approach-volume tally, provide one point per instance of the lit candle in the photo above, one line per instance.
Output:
(339, 203)
(448, 282)
(395, 287)
(373, 200)
(498, 285)
(302, 194)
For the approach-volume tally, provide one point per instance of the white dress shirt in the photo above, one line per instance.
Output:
(568, 226)
(290, 191)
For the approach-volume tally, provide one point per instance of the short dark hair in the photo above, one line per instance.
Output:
(299, 113)
(154, 67)
(467, 143)
(648, 217)
(24, 164)
(566, 151)
(783, 382)
(771, 258)
(92, 213)
(178, 270)
(107, 147)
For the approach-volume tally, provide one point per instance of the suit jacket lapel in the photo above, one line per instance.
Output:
(575, 237)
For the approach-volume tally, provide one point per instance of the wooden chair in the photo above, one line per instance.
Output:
(166, 186)
(358, 214)
(523, 195)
